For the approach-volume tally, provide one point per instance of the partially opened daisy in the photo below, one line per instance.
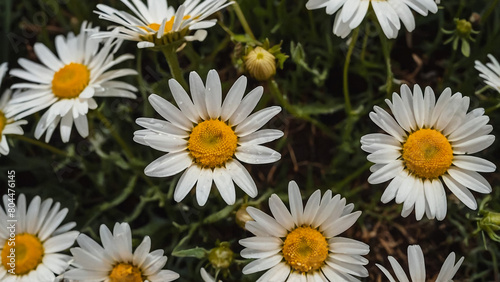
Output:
(389, 13)
(31, 239)
(303, 244)
(7, 124)
(490, 72)
(416, 264)
(207, 137)
(157, 24)
(68, 84)
(115, 261)
(429, 144)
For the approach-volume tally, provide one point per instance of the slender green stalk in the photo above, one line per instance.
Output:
(354, 175)
(489, 11)
(116, 135)
(242, 19)
(41, 145)
(275, 91)
(491, 109)
(449, 68)
(347, 99)
(170, 54)
(386, 50)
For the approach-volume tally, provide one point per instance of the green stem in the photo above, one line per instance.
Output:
(386, 50)
(347, 99)
(42, 145)
(491, 109)
(243, 20)
(449, 69)
(116, 135)
(354, 175)
(275, 91)
(489, 11)
(173, 63)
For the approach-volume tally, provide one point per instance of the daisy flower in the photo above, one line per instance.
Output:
(417, 267)
(115, 260)
(389, 13)
(490, 72)
(206, 137)
(429, 144)
(36, 238)
(7, 124)
(67, 85)
(157, 24)
(302, 244)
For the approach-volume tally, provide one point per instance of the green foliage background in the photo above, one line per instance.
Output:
(101, 181)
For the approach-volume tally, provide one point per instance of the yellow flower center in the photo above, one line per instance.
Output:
(427, 153)
(168, 25)
(3, 123)
(70, 80)
(305, 249)
(212, 143)
(125, 272)
(22, 254)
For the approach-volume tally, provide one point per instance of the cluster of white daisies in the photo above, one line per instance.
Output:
(427, 146)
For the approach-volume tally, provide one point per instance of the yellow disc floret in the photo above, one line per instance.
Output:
(3, 123)
(70, 81)
(125, 272)
(168, 25)
(23, 254)
(427, 153)
(212, 143)
(305, 249)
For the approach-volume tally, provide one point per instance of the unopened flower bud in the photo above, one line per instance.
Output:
(464, 28)
(260, 64)
(221, 257)
(242, 216)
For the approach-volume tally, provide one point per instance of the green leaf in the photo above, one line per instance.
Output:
(197, 252)
(465, 48)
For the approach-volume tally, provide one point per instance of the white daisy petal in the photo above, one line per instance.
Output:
(257, 154)
(186, 182)
(225, 185)
(233, 98)
(213, 94)
(168, 164)
(203, 186)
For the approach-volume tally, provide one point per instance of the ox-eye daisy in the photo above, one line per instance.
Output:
(7, 124)
(490, 72)
(208, 136)
(36, 238)
(159, 24)
(302, 244)
(416, 264)
(350, 13)
(68, 84)
(115, 261)
(429, 143)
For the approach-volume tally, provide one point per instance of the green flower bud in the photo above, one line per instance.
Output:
(221, 257)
